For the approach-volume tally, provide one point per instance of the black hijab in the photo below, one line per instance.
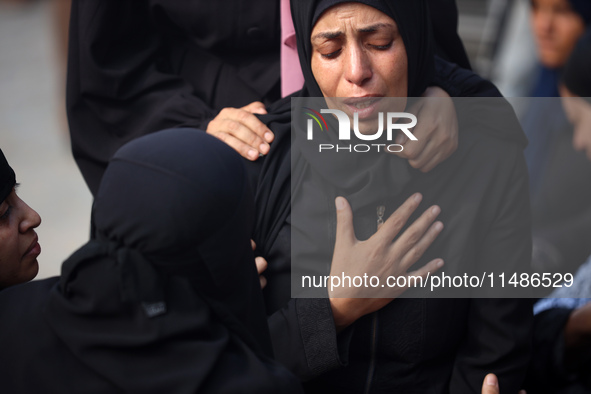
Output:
(355, 175)
(413, 21)
(169, 286)
(7, 178)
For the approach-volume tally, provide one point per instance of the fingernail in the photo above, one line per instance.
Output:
(268, 136)
(438, 226)
(418, 197)
(253, 154)
(491, 380)
(264, 148)
(400, 139)
(439, 264)
(340, 203)
(435, 210)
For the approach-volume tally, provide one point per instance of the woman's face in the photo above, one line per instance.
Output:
(578, 112)
(358, 54)
(18, 241)
(556, 29)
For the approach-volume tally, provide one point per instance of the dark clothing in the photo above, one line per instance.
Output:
(166, 299)
(426, 345)
(30, 348)
(448, 44)
(35, 358)
(549, 373)
(136, 67)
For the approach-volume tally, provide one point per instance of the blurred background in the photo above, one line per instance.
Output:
(33, 127)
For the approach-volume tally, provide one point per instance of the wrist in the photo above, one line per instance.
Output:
(341, 313)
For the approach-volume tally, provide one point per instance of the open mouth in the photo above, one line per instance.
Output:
(364, 107)
(362, 102)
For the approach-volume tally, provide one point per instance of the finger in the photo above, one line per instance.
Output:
(243, 149)
(490, 385)
(434, 153)
(415, 252)
(345, 231)
(401, 138)
(261, 264)
(397, 220)
(253, 244)
(244, 133)
(431, 149)
(263, 281)
(411, 150)
(431, 164)
(416, 106)
(413, 234)
(255, 107)
(253, 123)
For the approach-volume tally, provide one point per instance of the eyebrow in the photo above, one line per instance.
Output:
(331, 35)
(327, 35)
(374, 28)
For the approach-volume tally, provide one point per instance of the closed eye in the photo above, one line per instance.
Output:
(331, 55)
(382, 47)
(6, 213)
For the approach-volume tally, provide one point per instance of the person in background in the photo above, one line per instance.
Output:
(562, 330)
(19, 246)
(561, 207)
(576, 93)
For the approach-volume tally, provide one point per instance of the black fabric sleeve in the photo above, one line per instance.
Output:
(305, 339)
(498, 334)
(460, 82)
(119, 83)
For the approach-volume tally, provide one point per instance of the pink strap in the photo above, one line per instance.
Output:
(292, 78)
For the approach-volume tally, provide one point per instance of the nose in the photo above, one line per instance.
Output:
(30, 218)
(358, 69)
(543, 20)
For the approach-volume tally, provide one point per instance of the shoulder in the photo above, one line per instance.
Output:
(24, 299)
(461, 82)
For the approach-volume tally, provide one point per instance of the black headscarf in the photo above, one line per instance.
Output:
(576, 75)
(7, 178)
(413, 21)
(168, 287)
(354, 175)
